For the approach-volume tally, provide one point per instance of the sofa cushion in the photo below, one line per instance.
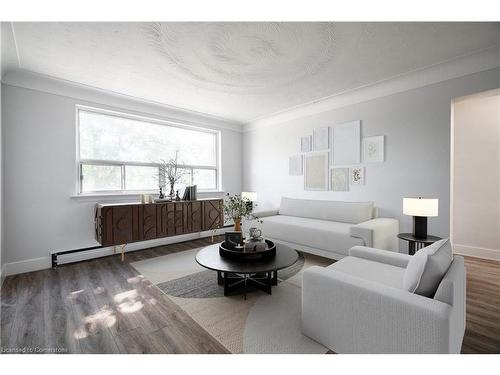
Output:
(344, 212)
(427, 268)
(320, 234)
(370, 270)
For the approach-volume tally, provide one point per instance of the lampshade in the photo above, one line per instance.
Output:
(420, 206)
(250, 195)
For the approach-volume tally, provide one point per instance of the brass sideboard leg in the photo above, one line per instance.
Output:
(122, 249)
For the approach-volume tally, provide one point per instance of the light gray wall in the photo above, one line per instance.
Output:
(1, 169)
(1, 184)
(1, 188)
(39, 148)
(476, 174)
(416, 125)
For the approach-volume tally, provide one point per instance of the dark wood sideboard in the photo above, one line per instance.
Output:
(119, 224)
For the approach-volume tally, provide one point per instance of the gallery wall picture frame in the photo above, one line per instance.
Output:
(357, 175)
(339, 179)
(306, 143)
(295, 165)
(321, 138)
(316, 166)
(346, 143)
(374, 149)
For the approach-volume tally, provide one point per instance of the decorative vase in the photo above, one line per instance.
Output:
(161, 193)
(237, 224)
(172, 193)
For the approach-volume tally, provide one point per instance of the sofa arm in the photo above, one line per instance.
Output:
(266, 213)
(380, 233)
(352, 315)
(381, 256)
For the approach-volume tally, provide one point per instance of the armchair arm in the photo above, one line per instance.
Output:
(381, 256)
(380, 233)
(352, 315)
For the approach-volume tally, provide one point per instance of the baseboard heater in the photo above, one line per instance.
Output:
(55, 256)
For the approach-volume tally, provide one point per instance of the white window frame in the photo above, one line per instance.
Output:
(123, 164)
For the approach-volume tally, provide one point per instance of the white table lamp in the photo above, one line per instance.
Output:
(420, 209)
(251, 196)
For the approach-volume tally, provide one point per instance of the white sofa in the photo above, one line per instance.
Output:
(328, 228)
(375, 301)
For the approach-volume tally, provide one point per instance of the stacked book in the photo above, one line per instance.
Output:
(190, 193)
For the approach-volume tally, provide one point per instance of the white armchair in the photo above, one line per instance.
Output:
(359, 305)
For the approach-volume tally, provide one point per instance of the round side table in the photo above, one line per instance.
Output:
(417, 243)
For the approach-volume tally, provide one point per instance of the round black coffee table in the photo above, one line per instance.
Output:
(236, 276)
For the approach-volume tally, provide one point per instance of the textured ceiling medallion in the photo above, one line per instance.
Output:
(244, 57)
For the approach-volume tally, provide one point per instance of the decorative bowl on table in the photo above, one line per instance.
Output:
(252, 250)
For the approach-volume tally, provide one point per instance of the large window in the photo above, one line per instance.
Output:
(122, 153)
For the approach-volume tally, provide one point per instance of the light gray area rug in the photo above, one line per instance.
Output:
(273, 325)
(261, 324)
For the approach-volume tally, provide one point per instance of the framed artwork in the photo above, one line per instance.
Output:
(373, 149)
(357, 176)
(306, 143)
(295, 165)
(346, 141)
(339, 179)
(321, 138)
(316, 171)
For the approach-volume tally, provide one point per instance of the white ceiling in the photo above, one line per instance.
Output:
(241, 71)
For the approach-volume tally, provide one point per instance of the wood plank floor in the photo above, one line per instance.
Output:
(105, 306)
(99, 306)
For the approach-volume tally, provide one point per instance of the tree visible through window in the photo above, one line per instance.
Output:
(118, 152)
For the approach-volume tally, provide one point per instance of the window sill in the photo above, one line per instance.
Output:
(131, 197)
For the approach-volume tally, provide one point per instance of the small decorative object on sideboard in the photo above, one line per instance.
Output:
(162, 179)
(177, 198)
(190, 193)
(172, 172)
(236, 208)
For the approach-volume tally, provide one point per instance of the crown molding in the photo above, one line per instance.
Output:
(39, 82)
(478, 62)
(481, 61)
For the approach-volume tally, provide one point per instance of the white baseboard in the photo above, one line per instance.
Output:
(28, 265)
(477, 252)
(37, 264)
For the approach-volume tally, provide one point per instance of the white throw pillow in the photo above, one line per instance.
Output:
(427, 268)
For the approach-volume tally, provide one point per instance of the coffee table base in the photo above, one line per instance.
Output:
(237, 282)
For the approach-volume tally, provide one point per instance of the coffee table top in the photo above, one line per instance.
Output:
(209, 257)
